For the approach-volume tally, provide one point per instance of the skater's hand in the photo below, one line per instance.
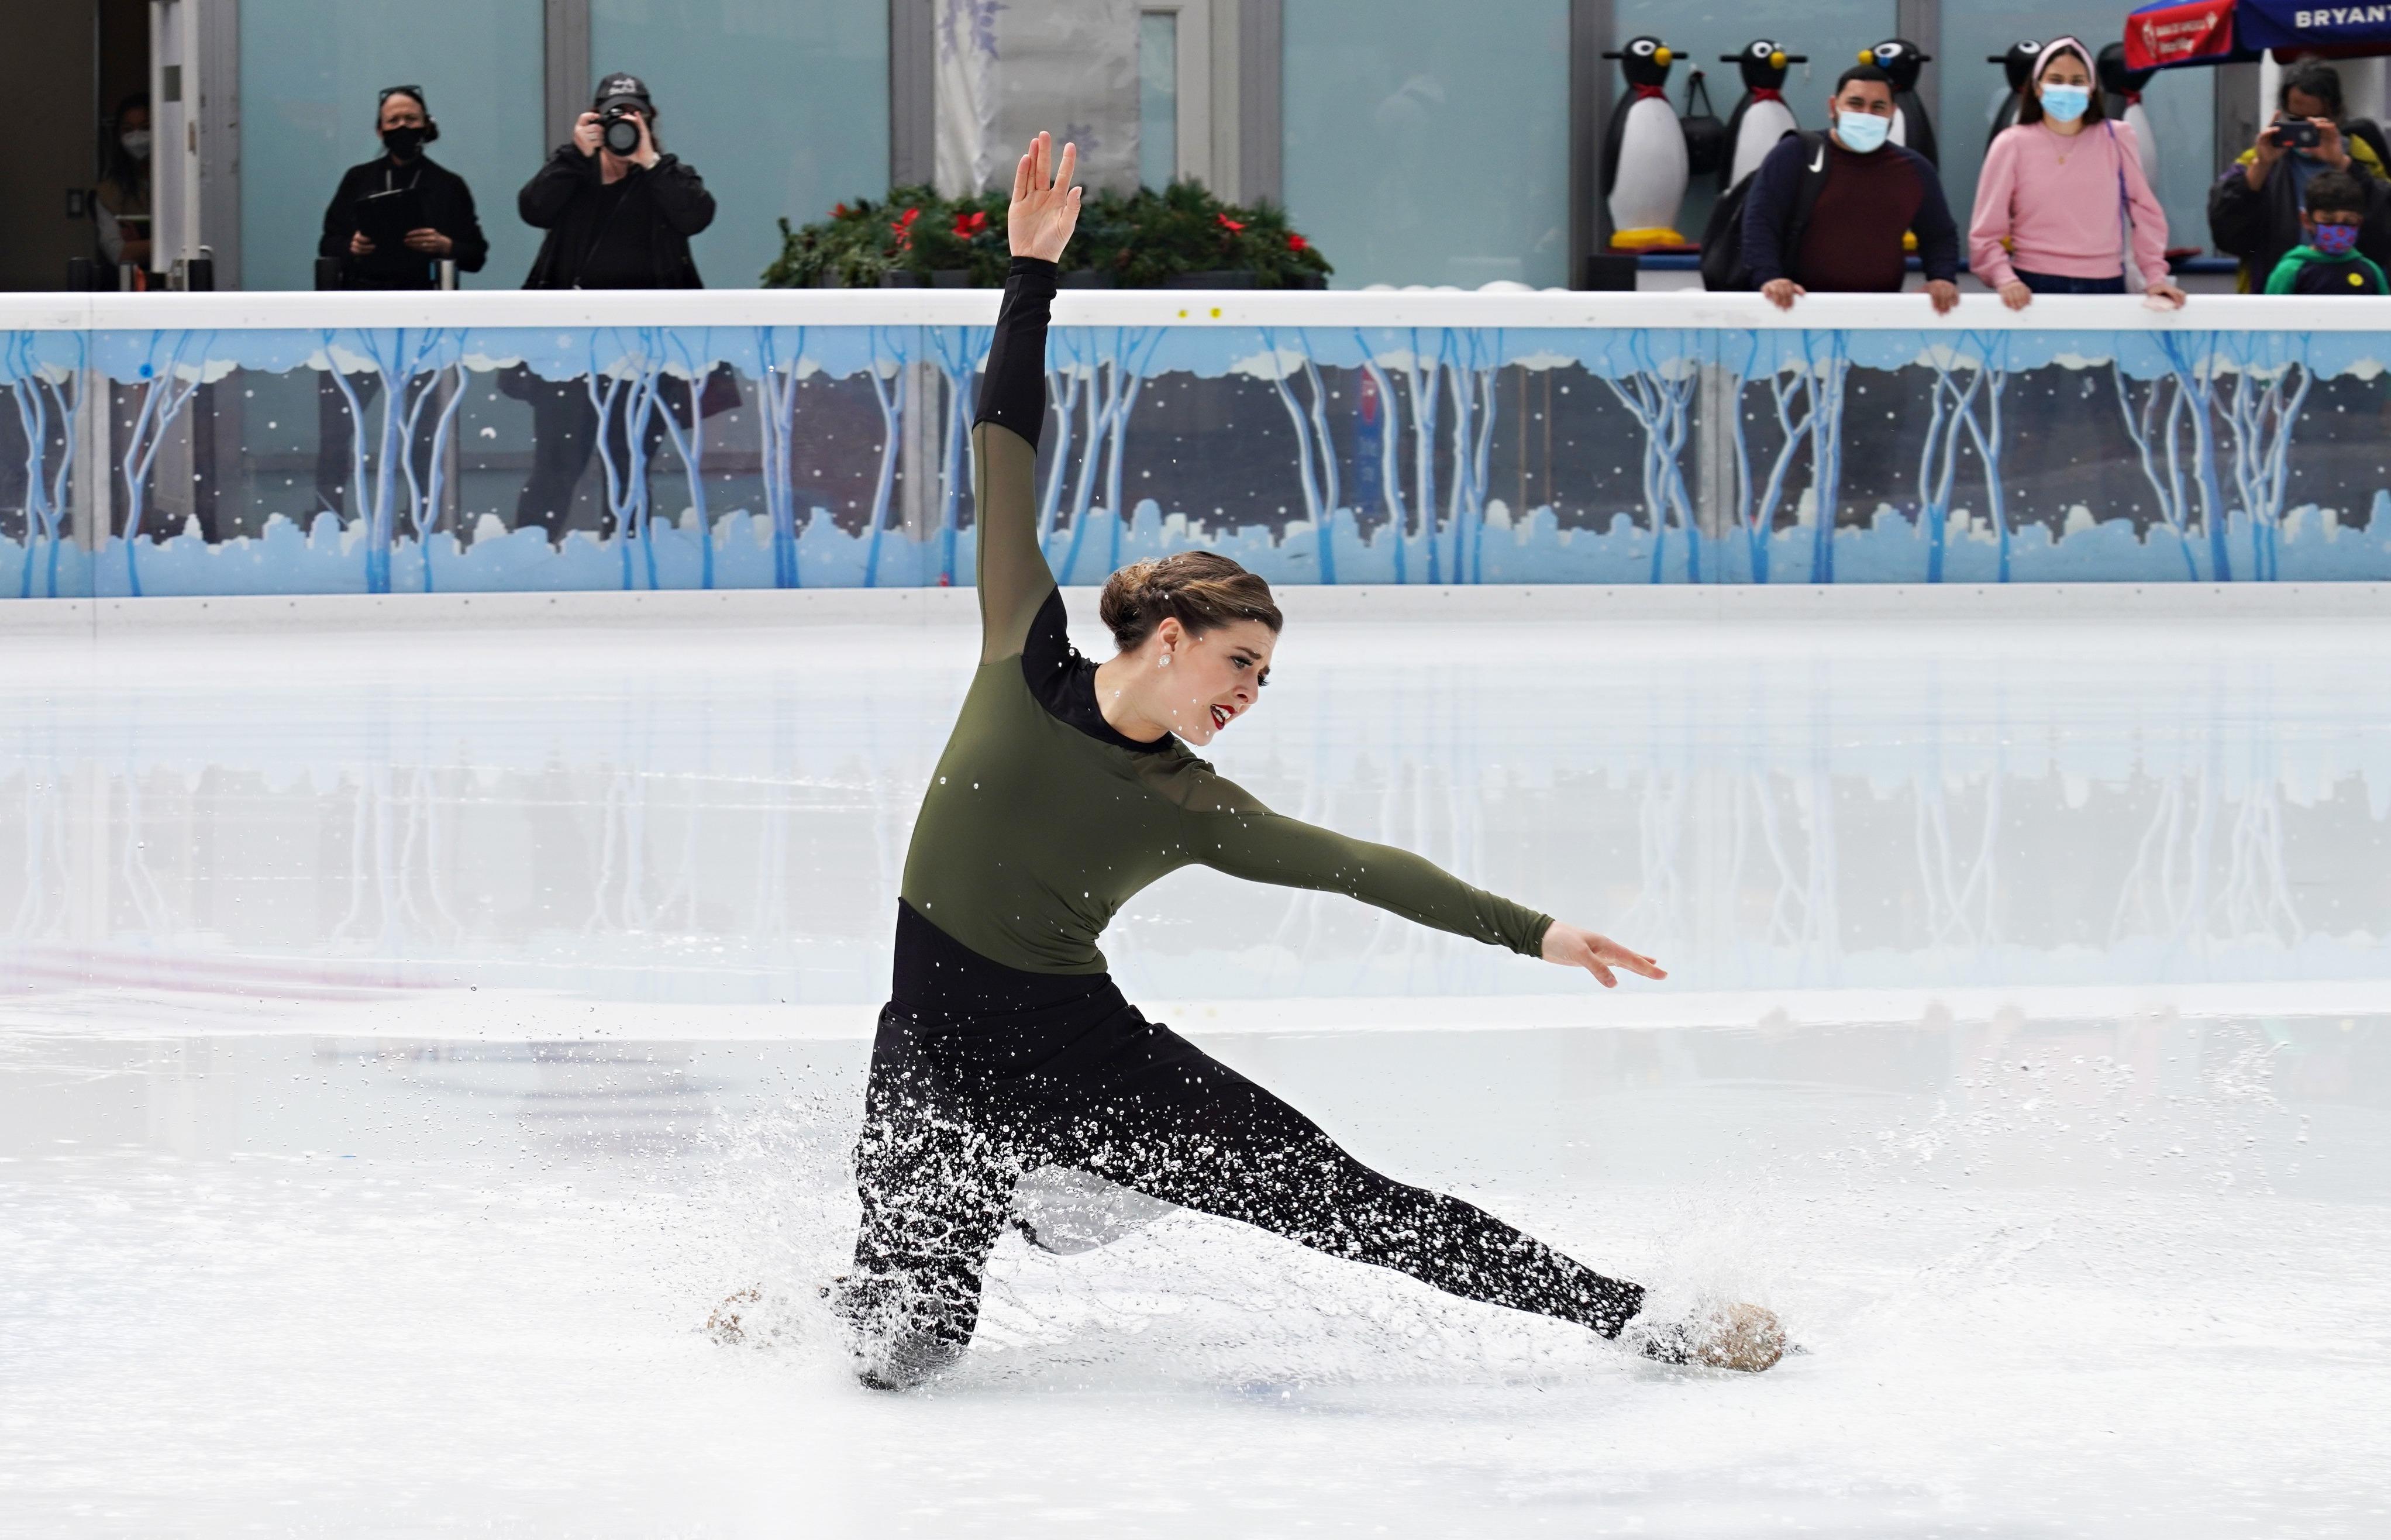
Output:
(1045, 205)
(1943, 294)
(2016, 295)
(1782, 292)
(1573, 948)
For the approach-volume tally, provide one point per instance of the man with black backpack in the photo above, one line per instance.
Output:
(1828, 211)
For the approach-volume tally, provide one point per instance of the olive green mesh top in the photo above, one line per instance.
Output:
(1042, 821)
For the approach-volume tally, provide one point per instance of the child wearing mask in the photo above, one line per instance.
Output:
(2328, 260)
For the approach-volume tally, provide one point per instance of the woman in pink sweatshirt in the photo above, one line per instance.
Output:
(2052, 199)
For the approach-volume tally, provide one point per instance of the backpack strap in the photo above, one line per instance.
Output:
(1817, 163)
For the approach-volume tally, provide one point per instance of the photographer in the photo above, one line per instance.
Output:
(2253, 209)
(619, 212)
(390, 225)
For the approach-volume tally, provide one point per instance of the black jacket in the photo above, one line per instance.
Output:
(2261, 226)
(646, 224)
(446, 204)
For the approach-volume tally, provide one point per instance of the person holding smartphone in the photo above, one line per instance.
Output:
(2253, 209)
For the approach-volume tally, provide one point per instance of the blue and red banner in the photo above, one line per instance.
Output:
(2175, 33)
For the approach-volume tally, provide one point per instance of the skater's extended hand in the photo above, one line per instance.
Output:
(1045, 205)
(1573, 948)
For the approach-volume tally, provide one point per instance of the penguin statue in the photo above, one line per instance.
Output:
(2122, 84)
(2017, 65)
(1903, 60)
(1644, 166)
(1761, 118)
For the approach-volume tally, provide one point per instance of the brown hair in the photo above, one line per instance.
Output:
(1203, 588)
(2030, 101)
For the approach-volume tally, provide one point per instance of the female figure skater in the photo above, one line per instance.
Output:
(1065, 788)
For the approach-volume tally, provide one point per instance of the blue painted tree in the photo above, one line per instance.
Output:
(1284, 354)
(1659, 393)
(49, 404)
(1390, 476)
(887, 375)
(960, 352)
(779, 368)
(1115, 360)
(169, 375)
(404, 361)
(691, 360)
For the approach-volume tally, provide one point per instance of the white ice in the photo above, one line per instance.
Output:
(409, 1037)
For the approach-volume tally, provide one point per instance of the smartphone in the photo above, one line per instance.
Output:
(2297, 134)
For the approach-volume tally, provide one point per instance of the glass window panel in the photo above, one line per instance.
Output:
(1157, 97)
(2180, 103)
(1428, 142)
(1828, 32)
(780, 105)
(310, 79)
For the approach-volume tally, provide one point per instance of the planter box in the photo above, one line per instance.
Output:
(951, 278)
(1241, 280)
(1084, 278)
(900, 279)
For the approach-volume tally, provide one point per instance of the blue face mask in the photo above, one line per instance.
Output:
(2067, 103)
(1862, 132)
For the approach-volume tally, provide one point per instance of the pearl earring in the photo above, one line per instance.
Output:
(1166, 660)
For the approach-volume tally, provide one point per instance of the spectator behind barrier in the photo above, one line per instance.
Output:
(619, 212)
(2061, 204)
(1828, 210)
(390, 225)
(2328, 261)
(2253, 209)
(394, 220)
(121, 208)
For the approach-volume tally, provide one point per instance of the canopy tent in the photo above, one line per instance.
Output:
(2172, 34)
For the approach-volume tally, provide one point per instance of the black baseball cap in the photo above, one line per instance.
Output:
(623, 89)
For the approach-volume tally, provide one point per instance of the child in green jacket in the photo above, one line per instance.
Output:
(2329, 262)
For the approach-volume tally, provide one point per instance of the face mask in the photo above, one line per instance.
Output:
(136, 142)
(403, 142)
(2335, 239)
(1862, 132)
(2067, 103)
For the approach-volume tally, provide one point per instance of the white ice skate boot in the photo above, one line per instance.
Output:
(1728, 1337)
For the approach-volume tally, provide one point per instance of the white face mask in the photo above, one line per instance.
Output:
(136, 142)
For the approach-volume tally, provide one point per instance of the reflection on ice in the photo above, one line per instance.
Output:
(700, 816)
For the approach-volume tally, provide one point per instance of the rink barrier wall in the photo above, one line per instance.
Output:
(2076, 604)
(193, 445)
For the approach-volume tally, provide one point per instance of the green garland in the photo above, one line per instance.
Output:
(1141, 239)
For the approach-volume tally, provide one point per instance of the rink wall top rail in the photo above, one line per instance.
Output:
(1370, 309)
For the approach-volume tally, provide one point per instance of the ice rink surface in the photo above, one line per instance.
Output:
(407, 1038)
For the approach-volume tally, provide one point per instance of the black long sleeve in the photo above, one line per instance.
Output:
(1012, 389)
(545, 196)
(1938, 233)
(681, 195)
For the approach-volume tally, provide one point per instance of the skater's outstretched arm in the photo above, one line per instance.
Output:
(1014, 577)
(1232, 832)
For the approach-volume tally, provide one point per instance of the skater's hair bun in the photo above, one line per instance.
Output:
(1203, 588)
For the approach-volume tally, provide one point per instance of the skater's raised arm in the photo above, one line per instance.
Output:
(1013, 576)
(1234, 833)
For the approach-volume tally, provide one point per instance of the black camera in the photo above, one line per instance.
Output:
(619, 129)
(2297, 134)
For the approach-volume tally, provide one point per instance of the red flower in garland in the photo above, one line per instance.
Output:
(1295, 243)
(838, 210)
(1228, 224)
(904, 229)
(969, 225)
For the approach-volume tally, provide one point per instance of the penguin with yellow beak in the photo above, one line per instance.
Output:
(1903, 60)
(1761, 118)
(1643, 162)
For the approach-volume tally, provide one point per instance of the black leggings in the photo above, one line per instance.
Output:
(958, 1112)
